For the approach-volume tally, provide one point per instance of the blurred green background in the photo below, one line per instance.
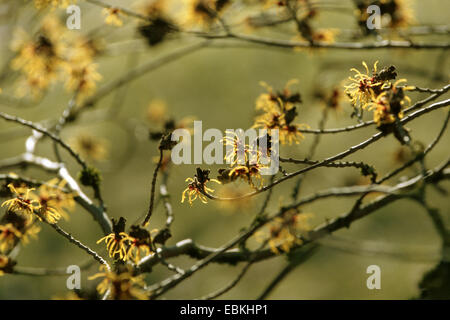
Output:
(219, 86)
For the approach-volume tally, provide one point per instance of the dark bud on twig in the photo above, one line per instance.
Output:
(400, 133)
(305, 30)
(162, 236)
(139, 233)
(119, 226)
(90, 176)
(202, 175)
(155, 135)
(385, 74)
(169, 125)
(224, 176)
(156, 31)
(290, 115)
(367, 170)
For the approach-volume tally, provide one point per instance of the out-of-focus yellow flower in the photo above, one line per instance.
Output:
(157, 111)
(84, 50)
(280, 112)
(89, 146)
(113, 16)
(41, 4)
(8, 237)
(82, 79)
(325, 35)
(331, 98)
(284, 231)
(55, 54)
(15, 228)
(333, 101)
(202, 12)
(401, 155)
(269, 100)
(39, 59)
(276, 119)
(51, 195)
(6, 265)
(402, 14)
(123, 284)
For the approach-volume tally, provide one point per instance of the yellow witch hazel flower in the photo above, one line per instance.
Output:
(15, 228)
(22, 203)
(197, 187)
(52, 198)
(116, 242)
(6, 265)
(48, 205)
(41, 4)
(364, 86)
(202, 12)
(82, 78)
(40, 58)
(139, 243)
(124, 285)
(89, 146)
(388, 105)
(279, 113)
(8, 236)
(248, 172)
(284, 231)
(113, 16)
(128, 246)
(157, 111)
(325, 35)
(401, 13)
(46, 58)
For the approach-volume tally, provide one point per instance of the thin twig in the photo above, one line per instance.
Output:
(152, 193)
(42, 130)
